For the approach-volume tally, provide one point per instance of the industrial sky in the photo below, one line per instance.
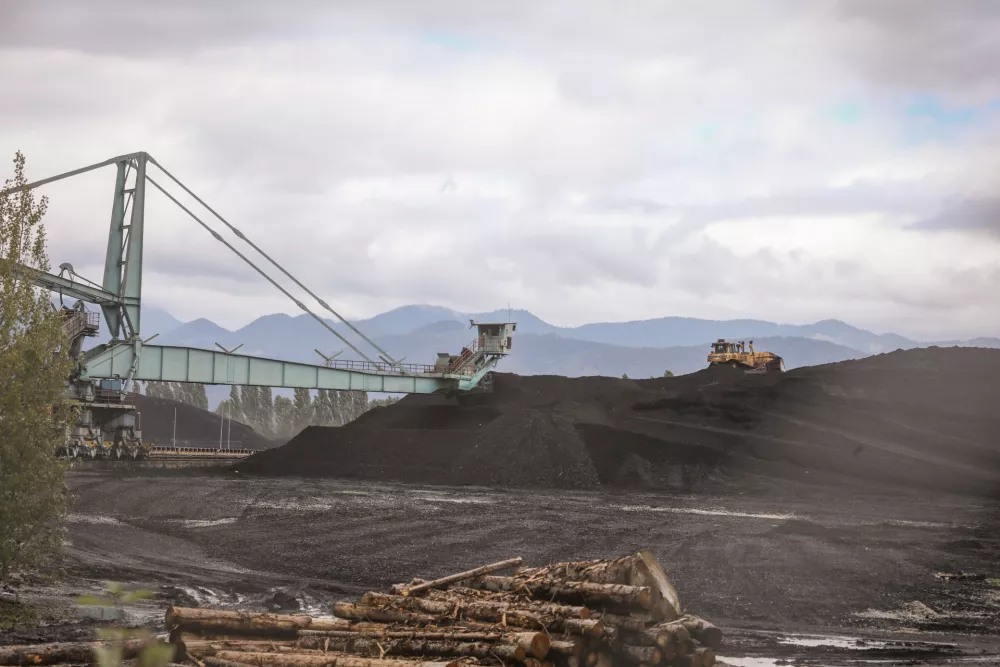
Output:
(588, 161)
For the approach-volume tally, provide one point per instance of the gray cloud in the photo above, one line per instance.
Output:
(598, 151)
(925, 44)
(981, 216)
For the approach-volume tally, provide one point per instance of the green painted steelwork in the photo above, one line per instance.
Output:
(160, 363)
(127, 358)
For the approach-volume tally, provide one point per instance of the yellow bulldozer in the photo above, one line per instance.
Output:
(729, 353)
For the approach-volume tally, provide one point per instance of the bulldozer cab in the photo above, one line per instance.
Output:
(726, 347)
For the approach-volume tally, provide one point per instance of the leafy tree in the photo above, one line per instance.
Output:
(199, 398)
(303, 410)
(236, 403)
(266, 400)
(668, 374)
(34, 368)
(284, 411)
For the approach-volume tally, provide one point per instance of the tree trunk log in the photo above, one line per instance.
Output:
(62, 652)
(704, 657)
(347, 610)
(641, 569)
(646, 655)
(518, 646)
(580, 626)
(614, 594)
(634, 622)
(468, 574)
(704, 632)
(214, 621)
(384, 631)
(319, 660)
(482, 610)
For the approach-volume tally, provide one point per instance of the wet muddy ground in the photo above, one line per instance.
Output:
(798, 573)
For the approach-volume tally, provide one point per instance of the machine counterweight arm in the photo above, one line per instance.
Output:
(257, 269)
(279, 267)
(81, 170)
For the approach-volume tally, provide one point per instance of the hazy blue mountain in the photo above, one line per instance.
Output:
(640, 348)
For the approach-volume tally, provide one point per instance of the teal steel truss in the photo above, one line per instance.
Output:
(127, 357)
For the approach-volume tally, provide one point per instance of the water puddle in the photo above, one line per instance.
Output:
(206, 523)
(752, 662)
(96, 519)
(706, 512)
(852, 643)
(456, 500)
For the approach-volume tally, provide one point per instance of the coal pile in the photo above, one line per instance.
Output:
(921, 418)
(195, 427)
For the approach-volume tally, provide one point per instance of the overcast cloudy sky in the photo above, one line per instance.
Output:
(588, 161)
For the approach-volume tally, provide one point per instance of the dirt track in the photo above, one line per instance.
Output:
(800, 559)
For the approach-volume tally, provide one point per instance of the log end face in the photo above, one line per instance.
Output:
(540, 645)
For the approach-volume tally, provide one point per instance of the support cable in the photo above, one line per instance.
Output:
(258, 269)
(240, 234)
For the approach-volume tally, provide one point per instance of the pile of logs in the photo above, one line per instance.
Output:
(576, 614)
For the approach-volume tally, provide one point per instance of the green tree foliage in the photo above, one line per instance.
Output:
(34, 368)
(303, 410)
(668, 374)
(153, 654)
(236, 403)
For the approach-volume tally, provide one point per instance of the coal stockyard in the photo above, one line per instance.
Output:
(825, 515)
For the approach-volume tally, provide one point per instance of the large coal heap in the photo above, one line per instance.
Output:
(924, 418)
(195, 427)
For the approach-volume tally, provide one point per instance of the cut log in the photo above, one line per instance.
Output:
(518, 646)
(62, 652)
(635, 622)
(646, 655)
(705, 657)
(482, 610)
(580, 626)
(214, 621)
(468, 574)
(457, 634)
(661, 635)
(641, 569)
(213, 661)
(563, 647)
(704, 632)
(603, 594)
(347, 610)
(209, 647)
(320, 660)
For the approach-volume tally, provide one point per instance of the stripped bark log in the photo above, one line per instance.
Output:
(209, 621)
(320, 660)
(468, 574)
(606, 594)
(704, 632)
(62, 652)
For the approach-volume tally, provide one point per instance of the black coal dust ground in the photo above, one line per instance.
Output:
(772, 567)
(854, 501)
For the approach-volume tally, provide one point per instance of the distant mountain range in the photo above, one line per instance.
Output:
(640, 348)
